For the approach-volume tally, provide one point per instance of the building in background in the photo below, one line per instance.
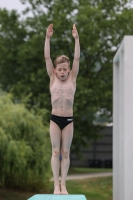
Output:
(98, 154)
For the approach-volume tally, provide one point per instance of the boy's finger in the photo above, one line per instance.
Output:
(51, 25)
(74, 26)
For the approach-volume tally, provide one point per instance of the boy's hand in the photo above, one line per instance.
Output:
(75, 32)
(49, 31)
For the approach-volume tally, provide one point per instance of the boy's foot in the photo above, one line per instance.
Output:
(63, 190)
(57, 190)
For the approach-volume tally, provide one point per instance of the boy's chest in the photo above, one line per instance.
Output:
(62, 87)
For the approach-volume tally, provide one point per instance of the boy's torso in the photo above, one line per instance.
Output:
(62, 95)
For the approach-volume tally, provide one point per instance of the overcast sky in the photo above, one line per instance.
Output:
(12, 4)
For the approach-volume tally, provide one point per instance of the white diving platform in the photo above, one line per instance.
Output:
(58, 197)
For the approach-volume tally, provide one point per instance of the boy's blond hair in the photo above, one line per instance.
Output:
(61, 59)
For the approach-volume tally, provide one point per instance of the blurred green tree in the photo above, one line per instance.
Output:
(24, 147)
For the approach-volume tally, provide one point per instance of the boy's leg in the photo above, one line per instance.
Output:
(55, 135)
(67, 135)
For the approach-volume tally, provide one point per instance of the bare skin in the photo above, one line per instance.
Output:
(62, 89)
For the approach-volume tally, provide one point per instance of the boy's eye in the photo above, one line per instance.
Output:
(64, 69)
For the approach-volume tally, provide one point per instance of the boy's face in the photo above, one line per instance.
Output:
(62, 71)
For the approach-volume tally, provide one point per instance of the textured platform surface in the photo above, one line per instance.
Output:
(57, 197)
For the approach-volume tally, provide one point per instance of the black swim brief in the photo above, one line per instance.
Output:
(62, 122)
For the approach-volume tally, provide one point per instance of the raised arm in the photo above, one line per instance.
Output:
(75, 66)
(49, 64)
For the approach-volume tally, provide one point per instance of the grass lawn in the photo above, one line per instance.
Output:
(93, 189)
(6, 194)
(77, 170)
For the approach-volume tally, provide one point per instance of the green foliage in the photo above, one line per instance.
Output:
(24, 147)
(101, 26)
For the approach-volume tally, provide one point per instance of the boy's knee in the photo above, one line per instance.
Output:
(65, 154)
(56, 153)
